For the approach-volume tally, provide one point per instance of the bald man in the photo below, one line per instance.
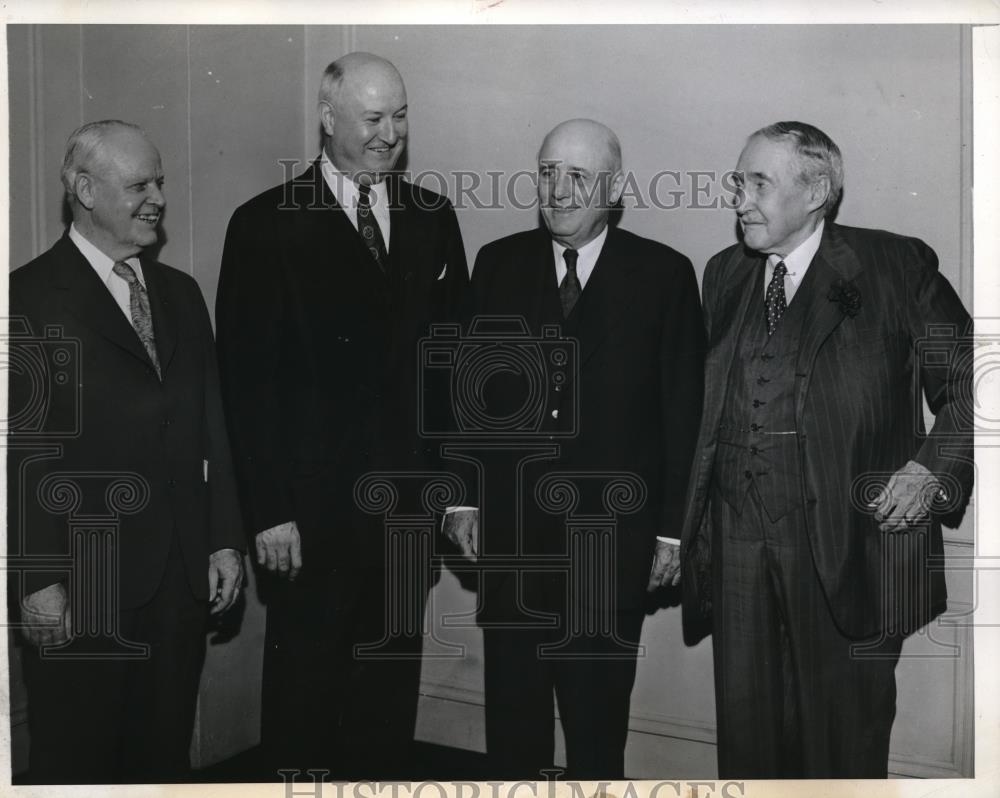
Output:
(118, 457)
(327, 283)
(618, 430)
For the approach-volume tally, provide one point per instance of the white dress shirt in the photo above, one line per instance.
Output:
(345, 191)
(797, 262)
(104, 266)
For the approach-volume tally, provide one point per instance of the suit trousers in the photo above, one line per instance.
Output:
(795, 698)
(328, 704)
(122, 721)
(592, 677)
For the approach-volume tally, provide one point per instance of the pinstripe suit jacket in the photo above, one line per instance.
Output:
(859, 378)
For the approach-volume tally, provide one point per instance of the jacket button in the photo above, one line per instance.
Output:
(747, 474)
(754, 450)
(755, 427)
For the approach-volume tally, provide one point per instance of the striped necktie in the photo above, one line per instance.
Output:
(142, 317)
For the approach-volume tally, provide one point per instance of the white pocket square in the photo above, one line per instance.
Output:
(444, 271)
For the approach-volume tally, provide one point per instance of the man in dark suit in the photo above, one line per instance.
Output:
(327, 284)
(807, 530)
(124, 523)
(616, 437)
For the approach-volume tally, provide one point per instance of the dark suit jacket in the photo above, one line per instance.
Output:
(105, 410)
(638, 389)
(318, 349)
(858, 412)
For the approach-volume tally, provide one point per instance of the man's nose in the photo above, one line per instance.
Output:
(389, 132)
(154, 195)
(562, 186)
(741, 201)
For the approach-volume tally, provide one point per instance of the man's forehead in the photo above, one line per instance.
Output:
(132, 159)
(572, 155)
(375, 87)
(762, 154)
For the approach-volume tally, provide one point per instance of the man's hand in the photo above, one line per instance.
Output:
(45, 616)
(907, 499)
(279, 549)
(461, 527)
(666, 568)
(225, 578)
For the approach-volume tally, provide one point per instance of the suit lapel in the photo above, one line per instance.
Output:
(326, 235)
(607, 299)
(744, 285)
(537, 282)
(834, 261)
(401, 229)
(88, 299)
(164, 320)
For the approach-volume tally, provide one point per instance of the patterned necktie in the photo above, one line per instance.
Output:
(369, 228)
(774, 299)
(569, 288)
(142, 318)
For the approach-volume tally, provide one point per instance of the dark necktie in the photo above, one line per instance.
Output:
(774, 299)
(569, 288)
(142, 318)
(369, 228)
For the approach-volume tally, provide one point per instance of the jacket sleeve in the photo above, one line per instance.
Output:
(249, 314)
(942, 329)
(682, 367)
(38, 428)
(225, 528)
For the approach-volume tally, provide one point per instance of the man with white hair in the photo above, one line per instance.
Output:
(119, 461)
(812, 532)
(327, 284)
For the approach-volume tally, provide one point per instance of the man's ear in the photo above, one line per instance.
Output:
(84, 189)
(326, 117)
(818, 192)
(617, 187)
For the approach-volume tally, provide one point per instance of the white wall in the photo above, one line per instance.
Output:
(226, 104)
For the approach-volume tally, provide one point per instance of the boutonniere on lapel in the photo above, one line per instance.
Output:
(847, 296)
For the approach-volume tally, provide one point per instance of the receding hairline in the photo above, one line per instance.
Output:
(349, 65)
(611, 148)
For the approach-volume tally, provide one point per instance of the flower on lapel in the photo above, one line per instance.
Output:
(846, 294)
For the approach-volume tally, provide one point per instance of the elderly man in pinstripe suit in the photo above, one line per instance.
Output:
(812, 521)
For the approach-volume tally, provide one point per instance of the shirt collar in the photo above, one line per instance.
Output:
(798, 260)
(588, 251)
(345, 190)
(100, 262)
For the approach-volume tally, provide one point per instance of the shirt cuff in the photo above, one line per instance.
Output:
(673, 541)
(457, 508)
